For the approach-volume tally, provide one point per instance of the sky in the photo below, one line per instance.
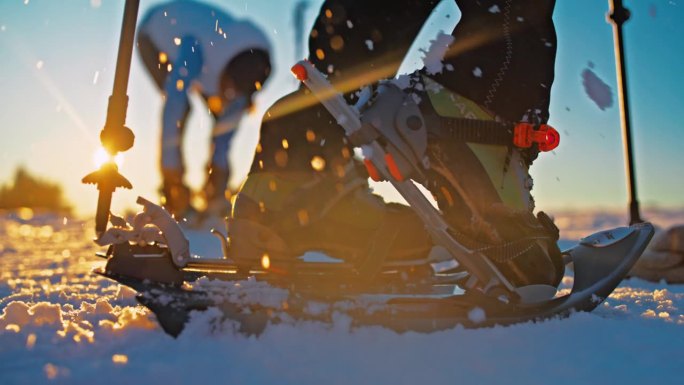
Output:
(57, 62)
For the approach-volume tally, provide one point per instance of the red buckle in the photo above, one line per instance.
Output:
(372, 171)
(393, 168)
(299, 72)
(546, 137)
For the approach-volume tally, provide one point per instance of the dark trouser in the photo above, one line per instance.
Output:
(503, 56)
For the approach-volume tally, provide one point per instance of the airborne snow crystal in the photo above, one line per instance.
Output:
(598, 91)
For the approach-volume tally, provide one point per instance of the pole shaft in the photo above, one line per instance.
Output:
(618, 15)
(115, 137)
(104, 202)
(126, 41)
(118, 101)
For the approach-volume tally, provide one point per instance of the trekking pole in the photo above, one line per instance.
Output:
(618, 15)
(115, 136)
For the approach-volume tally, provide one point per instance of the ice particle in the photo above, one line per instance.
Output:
(597, 90)
(435, 54)
(477, 315)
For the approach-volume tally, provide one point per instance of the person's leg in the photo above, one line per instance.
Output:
(358, 43)
(499, 66)
(175, 194)
(182, 69)
(218, 174)
(503, 57)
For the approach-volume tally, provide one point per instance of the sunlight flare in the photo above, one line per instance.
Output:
(101, 156)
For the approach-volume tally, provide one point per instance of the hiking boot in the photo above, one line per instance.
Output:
(175, 194)
(285, 215)
(216, 194)
(483, 189)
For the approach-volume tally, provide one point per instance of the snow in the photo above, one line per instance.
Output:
(477, 72)
(433, 56)
(60, 323)
(597, 90)
(477, 315)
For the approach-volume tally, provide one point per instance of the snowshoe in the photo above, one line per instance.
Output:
(158, 265)
(463, 285)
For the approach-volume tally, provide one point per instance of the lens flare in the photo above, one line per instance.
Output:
(265, 261)
(101, 157)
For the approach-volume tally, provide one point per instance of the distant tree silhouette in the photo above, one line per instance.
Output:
(30, 191)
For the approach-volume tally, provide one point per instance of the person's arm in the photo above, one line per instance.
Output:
(231, 115)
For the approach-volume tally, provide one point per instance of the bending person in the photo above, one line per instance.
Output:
(187, 47)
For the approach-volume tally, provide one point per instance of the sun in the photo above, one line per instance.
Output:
(101, 156)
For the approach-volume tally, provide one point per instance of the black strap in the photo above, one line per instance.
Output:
(502, 252)
(475, 130)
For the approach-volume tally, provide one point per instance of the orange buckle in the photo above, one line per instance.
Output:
(372, 171)
(546, 137)
(299, 72)
(393, 168)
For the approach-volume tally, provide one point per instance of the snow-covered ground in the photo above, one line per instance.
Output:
(60, 323)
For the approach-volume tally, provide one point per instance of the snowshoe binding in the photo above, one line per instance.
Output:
(173, 284)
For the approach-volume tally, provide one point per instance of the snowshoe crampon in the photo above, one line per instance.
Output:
(167, 280)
